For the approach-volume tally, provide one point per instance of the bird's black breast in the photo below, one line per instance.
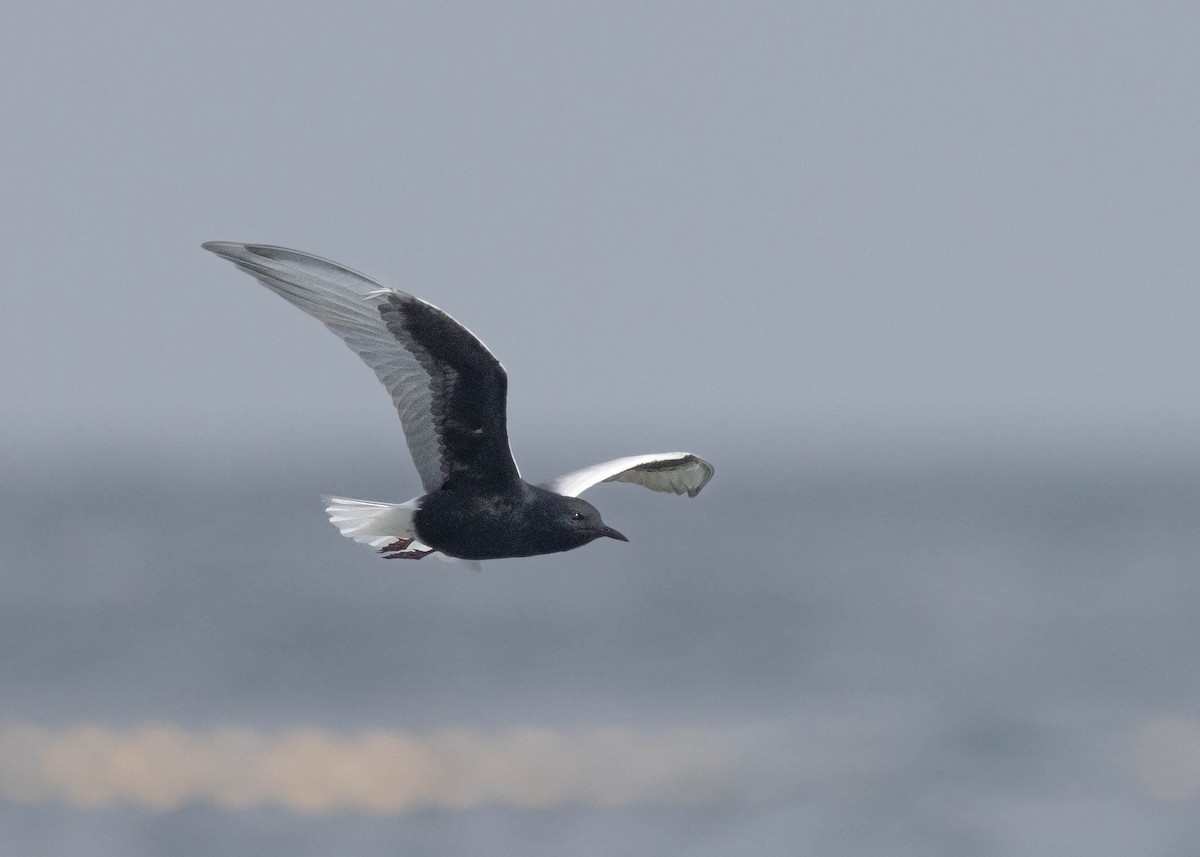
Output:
(469, 391)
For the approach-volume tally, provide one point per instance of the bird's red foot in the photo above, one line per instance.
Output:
(399, 550)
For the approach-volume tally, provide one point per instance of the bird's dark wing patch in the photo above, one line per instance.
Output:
(447, 387)
(468, 387)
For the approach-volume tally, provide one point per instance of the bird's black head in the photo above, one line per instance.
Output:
(559, 523)
(580, 520)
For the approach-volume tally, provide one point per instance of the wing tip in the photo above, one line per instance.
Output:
(233, 251)
(707, 471)
(218, 247)
(704, 469)
(240, 251)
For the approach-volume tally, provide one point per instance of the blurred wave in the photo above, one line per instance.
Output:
(381, 772)
(911, 661)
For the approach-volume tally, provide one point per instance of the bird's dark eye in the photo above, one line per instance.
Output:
(577, 516)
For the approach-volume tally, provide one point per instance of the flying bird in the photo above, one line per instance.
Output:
(450, 392)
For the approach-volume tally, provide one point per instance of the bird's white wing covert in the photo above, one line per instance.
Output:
(675, 472)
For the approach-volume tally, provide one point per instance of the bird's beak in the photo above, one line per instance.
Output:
(613, 534)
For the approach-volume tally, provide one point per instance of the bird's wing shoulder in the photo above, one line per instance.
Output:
(675, 472)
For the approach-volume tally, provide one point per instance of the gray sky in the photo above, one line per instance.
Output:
(825, 226)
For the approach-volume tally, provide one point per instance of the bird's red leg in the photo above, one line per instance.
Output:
(399, 550)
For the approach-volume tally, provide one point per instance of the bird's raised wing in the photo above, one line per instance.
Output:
(678, 472)
(448, 388)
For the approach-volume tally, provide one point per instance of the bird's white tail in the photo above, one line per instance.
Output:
(374, 524)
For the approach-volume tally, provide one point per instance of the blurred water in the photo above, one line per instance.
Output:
(902, 660)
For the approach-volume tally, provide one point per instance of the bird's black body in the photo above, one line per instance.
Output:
(483, 509)
(522, 520)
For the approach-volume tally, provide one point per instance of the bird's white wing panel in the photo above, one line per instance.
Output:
(348, 304)
(674, 472)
